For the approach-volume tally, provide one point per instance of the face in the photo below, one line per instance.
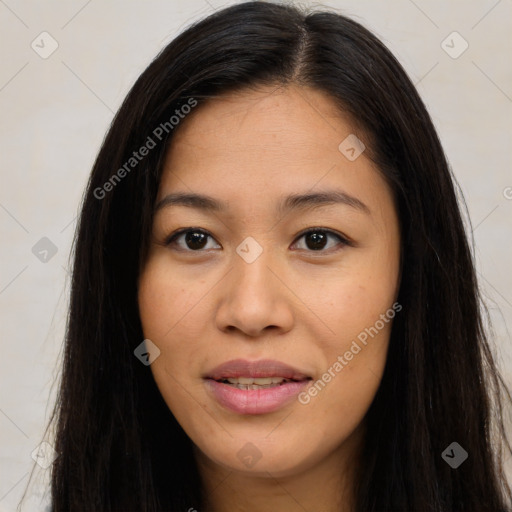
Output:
(282, 279)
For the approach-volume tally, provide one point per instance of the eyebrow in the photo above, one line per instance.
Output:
(286, 204)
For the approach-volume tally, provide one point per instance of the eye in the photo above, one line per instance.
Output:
(317, 239)
(195, 239)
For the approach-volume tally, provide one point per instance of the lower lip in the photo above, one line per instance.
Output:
(255, 401)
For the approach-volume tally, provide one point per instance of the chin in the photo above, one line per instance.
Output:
(259, 456)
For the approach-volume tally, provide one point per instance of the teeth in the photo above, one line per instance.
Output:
(262, 381)
(256, 382)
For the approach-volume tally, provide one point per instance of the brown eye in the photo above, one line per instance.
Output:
(315, 240)
(318, 240)
(193, 239)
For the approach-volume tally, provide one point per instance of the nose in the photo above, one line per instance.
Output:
(255, 298)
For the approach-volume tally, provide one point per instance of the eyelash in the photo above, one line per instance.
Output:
(342, 239)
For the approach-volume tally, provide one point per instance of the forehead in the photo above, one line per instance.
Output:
(273, 118)
(263, 143)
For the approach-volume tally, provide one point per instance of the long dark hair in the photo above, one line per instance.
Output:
(119, 446)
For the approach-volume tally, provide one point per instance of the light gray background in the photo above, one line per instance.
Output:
(55, 111)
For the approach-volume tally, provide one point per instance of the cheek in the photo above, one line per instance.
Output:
(354, 297)
(357, 307)
(173, 316)
(355, 359)
(166, 298)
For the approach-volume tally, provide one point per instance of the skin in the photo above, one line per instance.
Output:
(292, 304)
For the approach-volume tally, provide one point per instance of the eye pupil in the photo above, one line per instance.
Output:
(195, 239)
(317, 238)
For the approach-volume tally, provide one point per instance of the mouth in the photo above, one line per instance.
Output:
(237, 369)
(247, 383)
(255, 387)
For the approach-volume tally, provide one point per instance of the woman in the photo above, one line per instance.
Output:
(274, 304)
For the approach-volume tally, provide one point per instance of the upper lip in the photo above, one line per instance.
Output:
(256, 369)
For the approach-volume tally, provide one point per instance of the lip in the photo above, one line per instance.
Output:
(262, 368)
(255, 401)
